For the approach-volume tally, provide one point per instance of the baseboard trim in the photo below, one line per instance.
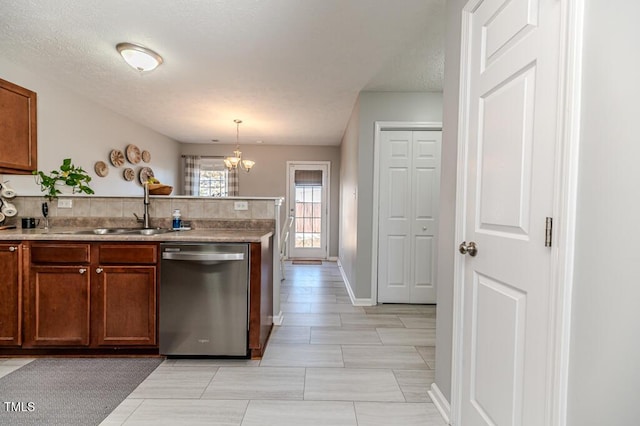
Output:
(440, 402)
(332, 258)
(354, 300)
(277, 319)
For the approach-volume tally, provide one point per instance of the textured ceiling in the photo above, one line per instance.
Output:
(291, 69)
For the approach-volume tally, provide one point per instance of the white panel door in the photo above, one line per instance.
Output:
(409, 192)
(509, 122)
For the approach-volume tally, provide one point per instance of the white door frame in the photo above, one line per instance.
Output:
(564, 210)
(327, 188)
(381, 126)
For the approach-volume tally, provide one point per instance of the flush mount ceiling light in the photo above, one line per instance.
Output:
(236, 161)
(139, 57)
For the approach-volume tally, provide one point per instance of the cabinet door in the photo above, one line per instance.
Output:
(58, 306)
(18, 129)
(124, 312)
(10, 289)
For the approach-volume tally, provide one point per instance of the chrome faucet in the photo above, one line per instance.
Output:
(145, 215)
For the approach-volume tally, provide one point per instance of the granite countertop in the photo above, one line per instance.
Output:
(195, 235)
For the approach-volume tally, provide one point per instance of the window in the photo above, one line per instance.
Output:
(308, 216)
(214, 178)
(308, 208)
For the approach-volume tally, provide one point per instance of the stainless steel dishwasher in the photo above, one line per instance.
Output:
(204, 300)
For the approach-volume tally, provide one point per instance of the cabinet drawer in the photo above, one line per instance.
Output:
(60, 253)
(126, 254)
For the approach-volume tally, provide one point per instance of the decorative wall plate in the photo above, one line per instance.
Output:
(117, 157)
(145, 174)
(133, 154)
(128, 174)
(101, 168)
(146, 156)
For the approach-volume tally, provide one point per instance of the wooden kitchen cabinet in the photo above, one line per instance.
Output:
(11, 291)
(124, 308)
(260, 296)
(57, 295)
(18, 129)
(58, 306)
(93, 295)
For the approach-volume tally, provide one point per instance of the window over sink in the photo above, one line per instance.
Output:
(208, 177)
(214, 178)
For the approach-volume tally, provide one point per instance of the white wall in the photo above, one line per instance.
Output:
(268, 177)
(70, 126)
(446, 231)
(604, 381)
(375, 106)
(348, 247)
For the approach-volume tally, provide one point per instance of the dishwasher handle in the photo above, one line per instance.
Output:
(202, 257)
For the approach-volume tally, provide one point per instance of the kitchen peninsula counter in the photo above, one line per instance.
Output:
(68, 291)
(195, 235)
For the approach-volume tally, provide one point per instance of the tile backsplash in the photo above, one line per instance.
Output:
(160, 208)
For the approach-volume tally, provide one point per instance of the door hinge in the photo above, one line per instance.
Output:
(548, 231)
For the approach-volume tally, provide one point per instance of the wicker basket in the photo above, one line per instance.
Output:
(159, 189)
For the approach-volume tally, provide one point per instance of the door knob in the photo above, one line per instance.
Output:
(82, 270)
(99, 270)
(471, 248)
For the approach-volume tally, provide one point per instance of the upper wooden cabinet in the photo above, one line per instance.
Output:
(18, 129)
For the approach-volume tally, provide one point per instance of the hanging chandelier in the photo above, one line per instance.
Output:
(236, 161)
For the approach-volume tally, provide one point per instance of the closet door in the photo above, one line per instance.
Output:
(408, 206)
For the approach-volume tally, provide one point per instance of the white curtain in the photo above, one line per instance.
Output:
(191, 175)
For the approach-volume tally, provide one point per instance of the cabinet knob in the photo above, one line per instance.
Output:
(82, 270)
(99, 270)
(12, 249)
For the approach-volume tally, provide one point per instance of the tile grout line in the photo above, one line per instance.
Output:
(209, 382)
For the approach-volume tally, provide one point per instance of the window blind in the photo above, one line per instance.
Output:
(308, 177)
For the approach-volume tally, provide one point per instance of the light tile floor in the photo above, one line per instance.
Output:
(329, 364)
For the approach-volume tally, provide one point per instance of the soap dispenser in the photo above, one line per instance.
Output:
(177, 221)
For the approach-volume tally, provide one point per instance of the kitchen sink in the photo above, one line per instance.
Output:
(154, 231)
(118, 231)
(108, 231)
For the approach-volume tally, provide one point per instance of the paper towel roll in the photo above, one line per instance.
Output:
(1, 217)
(9, 210)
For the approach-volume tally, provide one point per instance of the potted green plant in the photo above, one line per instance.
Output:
(68, 174)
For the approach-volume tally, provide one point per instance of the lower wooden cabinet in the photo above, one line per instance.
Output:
(58, 307)
(93, 295)
(11, 292)
(124, 309)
